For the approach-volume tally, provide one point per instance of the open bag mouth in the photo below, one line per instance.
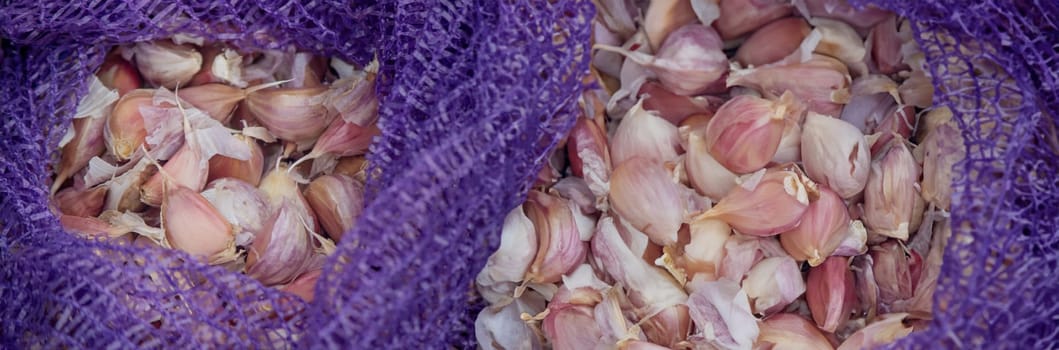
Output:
(565, 174)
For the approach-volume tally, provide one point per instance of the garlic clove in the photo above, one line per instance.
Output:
(500, 327)
(886, 47)
(739, 17)
(644, 134)
(689, 62)
(676, 108)
(821, 231)
(355, 166)
(741, 253)
(589, 156)
(242, 204)
(337, 201)
(643, 193)
(292, 114)
(185, 169)
(664, 17)
(342, 139)
(867, 287)
(774, 205)
(864, 17)
(304, 286)
(354, 98)
(705, 252)
(280, 189)
(790, 147)
(892, 272)
(82, 202)
(560, 246)
(669, 327)
(123, 192)
(217, 100)
(854, 241)
(87, 143)
(705, 174)
(943, 149)
(577, 191)
(790, 331)
(90, 227)
(746, 131)
(772, 42)
(283, 250)
(220, 65)
(517, 250)
(117, 73)
(721, 315)
(164, 63)
(772, 284)
(839, 40)
(125, 130)
(930, 121)
(898, 121)
(571, 328)
(836, 154)
(830, 293)
(917, 90)
(639, 345)
(885, 330)
(208, 235)
(889, 196)
(822, 82)
(250, 170)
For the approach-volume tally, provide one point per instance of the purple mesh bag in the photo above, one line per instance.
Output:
(474, 93)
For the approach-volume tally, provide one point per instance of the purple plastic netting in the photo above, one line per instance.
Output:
(474, 93)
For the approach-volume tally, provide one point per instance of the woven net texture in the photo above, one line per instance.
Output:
(474, 95)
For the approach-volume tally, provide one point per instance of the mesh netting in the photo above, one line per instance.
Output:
(473, 95)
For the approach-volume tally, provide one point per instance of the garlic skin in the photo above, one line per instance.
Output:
(572, 328)
(772, 284)
(739, 17)
(790, 147)
(216, 100)
(280, 188)
(664, 17)
(854, 241)
(517, 250)
(86, 202)
(644, 134)
(689, 62)
(560, 248)
(185, 169)
(337, 201)
(88, 142)
(892, 271)
(676, 108)
(890, 194)
(885, 47)
(242, 204)
(836, 154)
(705, 252)
(118, 74)
(123, 193)
(742, 252)
(643, 194)
(589, 156)
(90, 227)
(821, 82)
(821, 231)
(209, 236)
(790, 331)
(292, 114)
(841, 41)
(500, 327)
(885, 330)
(283, 250)
(721, 315)
(772, 42)
(746, 131)
(942, 149)
(773, 205)
(705, 174)
(125, 130)
(250, 170)
(866, 285)
(830, 293)
(220, 65)
(166, 64)
(353, 98)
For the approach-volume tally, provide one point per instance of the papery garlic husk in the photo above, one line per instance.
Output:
(125, 130)
(898, 121)
(643, 193)
(643, 134)
(839, 40)
(866, 285)
(355, 166)
(220, 65)
(721, 315)
(195, 226)
(773, 205)
(884, 330)
(772, 42)
(836, 154)
(739, 17)
(652, 292)
(117, 73)
(572, 327)
(705, 174)
(885, 47)
(608, 65)
(517, 250)
(772, 284)
(283, 250)
(90, 227)
(854, 241)
(830, 293)
(704, 253)
(337, 201)
(942, 149)
(864, 17)
(589, 157)
(341, 139)
(216, 100)
(822, 82)
(292, 114)
(923, 299)
(166, 64)
(676, 108)
(185, 168)
(577, 191)
(500, 327)
(867, 111)
(614, 324)
(689, 62)
(892, 272)
(889, 196)
(304, 69)
(250, 170)
(304, 286)
(930, 120)
(742, 252)
(354, 99)
(821, 231)
(280, 188)
(746, 131)
(917, 90)
(790, 331)
(88, 142)
(242, 204)
(86, 202)
(123, 192)
(663, 18)
(560, 248)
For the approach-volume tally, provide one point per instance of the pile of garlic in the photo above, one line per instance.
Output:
(253, 161)
(746, 174)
